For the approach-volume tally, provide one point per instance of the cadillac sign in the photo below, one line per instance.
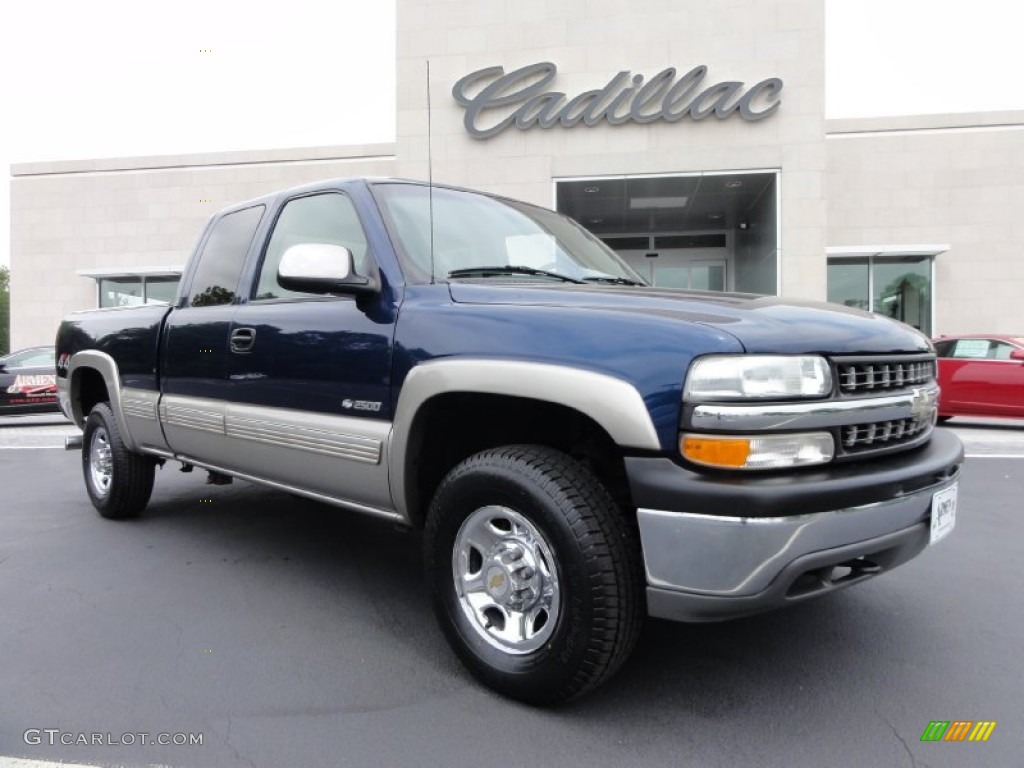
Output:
(495, 100)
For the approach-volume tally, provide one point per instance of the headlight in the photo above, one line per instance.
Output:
(758, 452)
(736, 377)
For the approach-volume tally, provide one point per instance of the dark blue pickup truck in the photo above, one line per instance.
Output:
(579, 448)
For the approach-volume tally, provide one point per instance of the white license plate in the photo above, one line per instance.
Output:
(943, 513)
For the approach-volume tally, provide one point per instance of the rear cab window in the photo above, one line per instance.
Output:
(222, 258)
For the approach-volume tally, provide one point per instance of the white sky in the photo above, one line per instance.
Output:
(126, 77)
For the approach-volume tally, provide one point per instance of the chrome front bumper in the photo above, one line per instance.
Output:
(707, 566)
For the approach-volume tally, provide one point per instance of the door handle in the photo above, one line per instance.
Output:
(242, 339)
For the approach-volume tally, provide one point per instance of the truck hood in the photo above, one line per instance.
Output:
(762, 324)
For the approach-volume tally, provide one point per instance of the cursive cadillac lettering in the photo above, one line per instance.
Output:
(626, 98)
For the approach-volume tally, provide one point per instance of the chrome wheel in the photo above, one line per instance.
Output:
(506, 579)
(101, 462)
(119, 481)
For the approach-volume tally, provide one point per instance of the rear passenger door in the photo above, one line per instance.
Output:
(310, 374)
(194, 358)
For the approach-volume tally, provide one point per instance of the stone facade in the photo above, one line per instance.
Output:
(592, 40)
(954, 180)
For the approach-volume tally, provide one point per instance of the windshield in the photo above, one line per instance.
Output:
(481, 237)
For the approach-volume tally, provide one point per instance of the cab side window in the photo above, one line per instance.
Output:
(325, 218)
(1000, 350)
(222, 258)
(971, 349)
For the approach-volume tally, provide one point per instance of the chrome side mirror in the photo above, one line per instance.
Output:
(322, 268)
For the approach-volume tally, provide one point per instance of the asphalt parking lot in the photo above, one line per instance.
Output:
(289, 633)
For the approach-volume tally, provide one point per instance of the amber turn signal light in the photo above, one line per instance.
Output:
(716, 451)
(758, 452)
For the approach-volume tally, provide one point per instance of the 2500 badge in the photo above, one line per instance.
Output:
(360, 405)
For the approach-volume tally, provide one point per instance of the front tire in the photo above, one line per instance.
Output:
(534, 573)
(119, 482)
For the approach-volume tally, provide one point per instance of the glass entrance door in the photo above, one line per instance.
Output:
(693, 275)
(723, 226)
(676, 270)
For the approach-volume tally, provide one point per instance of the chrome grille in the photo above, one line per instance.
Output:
(862, 375)
(882, 434)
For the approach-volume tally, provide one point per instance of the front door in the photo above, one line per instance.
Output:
(309, 375)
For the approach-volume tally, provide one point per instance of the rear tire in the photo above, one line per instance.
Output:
(119, 482)
(534, 573)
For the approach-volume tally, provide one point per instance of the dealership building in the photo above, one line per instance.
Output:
(691, 138)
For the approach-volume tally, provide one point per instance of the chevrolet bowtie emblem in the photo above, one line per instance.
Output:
(922, 405)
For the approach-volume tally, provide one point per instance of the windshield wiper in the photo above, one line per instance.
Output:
(611, 279)
(510, 269)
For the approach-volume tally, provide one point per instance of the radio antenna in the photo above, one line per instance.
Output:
(430, 175)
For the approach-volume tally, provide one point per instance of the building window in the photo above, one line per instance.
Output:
(899, 287)
(161, 289)
(121, 291)
(131, 290)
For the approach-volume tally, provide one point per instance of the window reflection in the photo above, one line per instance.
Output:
(902, 291)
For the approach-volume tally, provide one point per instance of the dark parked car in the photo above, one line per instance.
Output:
(981, 375)
(28, 381)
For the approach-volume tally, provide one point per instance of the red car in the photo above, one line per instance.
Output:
(981, 375)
